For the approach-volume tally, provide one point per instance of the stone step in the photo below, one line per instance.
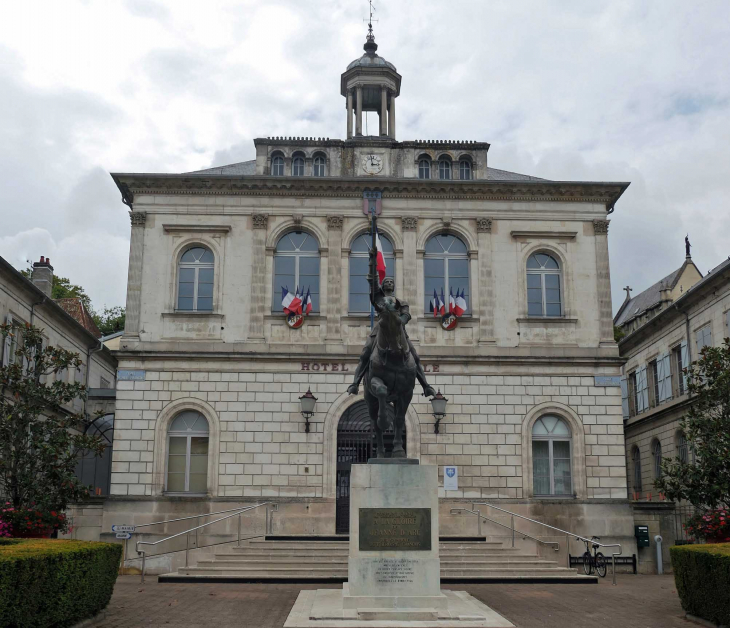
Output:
(227, 563)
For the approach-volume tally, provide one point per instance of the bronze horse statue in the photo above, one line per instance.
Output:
(391, 373)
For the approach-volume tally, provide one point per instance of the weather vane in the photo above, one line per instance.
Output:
(370, 21)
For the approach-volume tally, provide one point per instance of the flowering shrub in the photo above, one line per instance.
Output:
(24, 522)
(711, 525)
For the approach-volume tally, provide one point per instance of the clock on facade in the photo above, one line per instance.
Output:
(372, 164)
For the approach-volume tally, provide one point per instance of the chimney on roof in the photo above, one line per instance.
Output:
(42, 276)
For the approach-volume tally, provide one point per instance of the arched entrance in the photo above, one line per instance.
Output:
(354, 446)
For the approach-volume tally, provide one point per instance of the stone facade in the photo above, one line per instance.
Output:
(655, 397)
(244, 368)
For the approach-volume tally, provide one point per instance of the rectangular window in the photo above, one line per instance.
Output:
(16, 340)
(677, 375)
(653, 383)
(704, 338)
(633, 391)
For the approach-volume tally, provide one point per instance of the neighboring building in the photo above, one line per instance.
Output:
(67, 324)
(666, 327)
(208, 411)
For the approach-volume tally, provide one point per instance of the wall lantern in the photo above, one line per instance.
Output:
(438, 404)
(307, 400)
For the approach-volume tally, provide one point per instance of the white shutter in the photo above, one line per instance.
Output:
(685, 363)
(625, 397)
(642, 391)
(665, 380)
(6, 343)
(660, 378)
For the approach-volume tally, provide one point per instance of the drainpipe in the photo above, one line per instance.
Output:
(32, 308)
(89, 352)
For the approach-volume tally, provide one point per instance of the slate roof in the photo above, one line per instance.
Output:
(74, 307)
(494, 174)
(241, 168)
(371, 61)
(649, 298)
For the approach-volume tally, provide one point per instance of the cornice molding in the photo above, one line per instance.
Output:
(196, 228)
(341, 187)
(543, 235)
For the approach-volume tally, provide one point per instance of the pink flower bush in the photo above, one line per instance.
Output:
(711, 525)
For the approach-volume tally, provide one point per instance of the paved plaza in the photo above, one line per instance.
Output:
(636, 602)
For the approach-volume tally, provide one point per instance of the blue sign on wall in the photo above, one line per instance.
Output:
(130, 376)
(607, 380)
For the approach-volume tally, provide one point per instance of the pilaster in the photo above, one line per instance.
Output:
(603, 275)
(334, 274)
(486, 282)
(409, 227)
(358, 114)
(134, 275)
(258, 303)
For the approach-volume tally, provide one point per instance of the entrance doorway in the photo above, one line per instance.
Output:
(355, 444)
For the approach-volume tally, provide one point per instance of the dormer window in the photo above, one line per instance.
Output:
(424, 168)
(444, 168)
(277, 166)
(465, 171)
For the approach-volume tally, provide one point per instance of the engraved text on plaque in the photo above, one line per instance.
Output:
(402, 529)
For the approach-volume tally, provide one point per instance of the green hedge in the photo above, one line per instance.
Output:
(45, 582)
(702, 575)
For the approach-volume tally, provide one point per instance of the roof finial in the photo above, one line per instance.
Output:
(628, 293)
(370, 45)
(687, 247)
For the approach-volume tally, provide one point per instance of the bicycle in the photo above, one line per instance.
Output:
(596, 561)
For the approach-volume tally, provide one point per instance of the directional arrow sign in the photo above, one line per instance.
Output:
(124, 535)
(123, 528)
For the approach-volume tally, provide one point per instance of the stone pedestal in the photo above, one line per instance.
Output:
(394, 570)
(394, 544)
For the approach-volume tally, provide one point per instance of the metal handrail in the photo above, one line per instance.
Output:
(504, 525)
(235, 513)
(566, 532)
(202, 514)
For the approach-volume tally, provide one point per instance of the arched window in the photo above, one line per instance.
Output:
(551, 456)
(187, 453)
(95, 470)
(424, 168)
(277, 166)
(543, 286)
(297, 165)
(465, 169)
(445, 267)
(296, 265)
(444, 168)
(319, 165)
(682, 449)
(195, 280)
(656, 454)
(636, 459)
(359, 301)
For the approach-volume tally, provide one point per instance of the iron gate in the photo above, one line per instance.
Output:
(354, 446)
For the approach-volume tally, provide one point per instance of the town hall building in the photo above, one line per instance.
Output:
(211, 369)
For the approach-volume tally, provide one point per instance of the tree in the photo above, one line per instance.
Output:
(62, 288)
(111, 320)
(40, 440)
(618, 333)
(704, 481)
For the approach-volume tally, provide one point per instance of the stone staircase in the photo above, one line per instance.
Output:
(308, 560)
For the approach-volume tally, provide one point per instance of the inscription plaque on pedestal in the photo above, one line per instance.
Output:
(399, 529)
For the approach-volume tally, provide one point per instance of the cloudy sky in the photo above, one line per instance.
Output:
(565, 89)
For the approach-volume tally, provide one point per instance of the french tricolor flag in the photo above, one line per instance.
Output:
(460, 303)
(308, 303)
(379, 258)
(435, 303)
(442, 303)
(290, 302)
(452, 302)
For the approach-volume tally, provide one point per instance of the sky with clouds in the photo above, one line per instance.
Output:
(613, 90)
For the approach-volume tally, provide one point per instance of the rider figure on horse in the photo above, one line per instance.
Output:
(385, 299)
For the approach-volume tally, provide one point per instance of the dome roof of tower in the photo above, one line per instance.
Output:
(371, 61)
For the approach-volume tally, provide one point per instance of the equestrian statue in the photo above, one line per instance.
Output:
(389, 363)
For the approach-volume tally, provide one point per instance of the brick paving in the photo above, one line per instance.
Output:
(636, 602)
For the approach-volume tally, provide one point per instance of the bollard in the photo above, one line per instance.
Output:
(659, 566)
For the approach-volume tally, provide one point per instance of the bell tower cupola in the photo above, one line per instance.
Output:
(370, 83)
